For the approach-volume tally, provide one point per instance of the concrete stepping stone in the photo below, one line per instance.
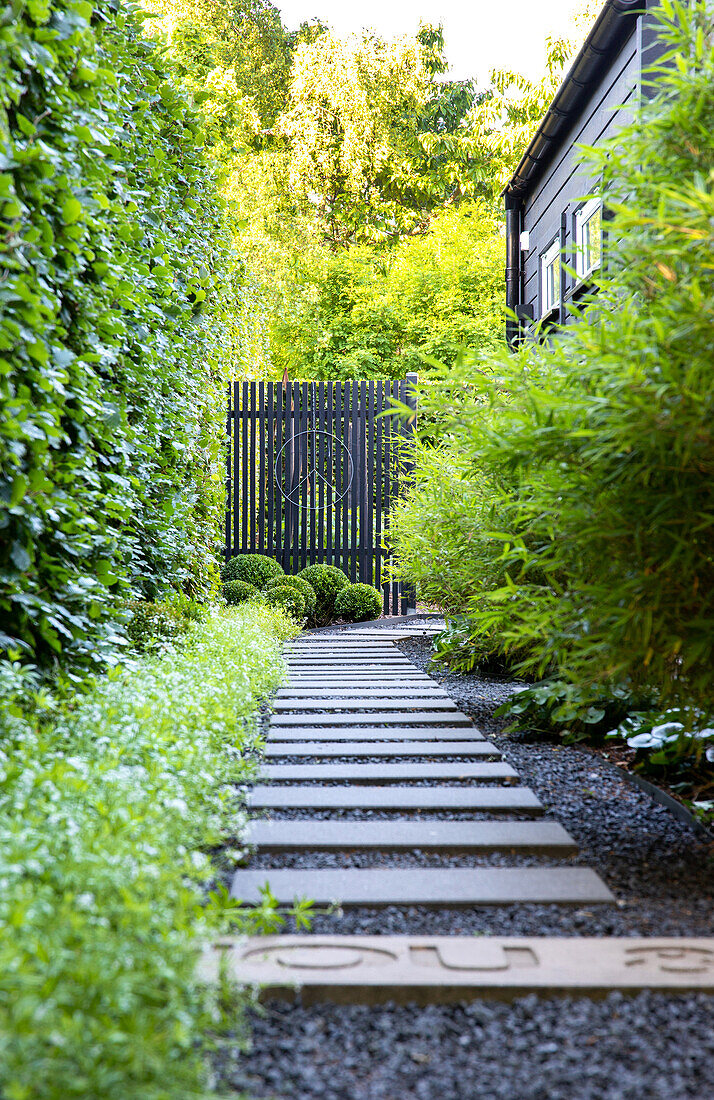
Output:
(377, 734)
(443, 969)
(365, 646)
(392, 660)
(375, 675)
(454, 886)
(388, 690)
(381, 748)
(393, 718)
(383, 773)
(541, 837)
(345, 702)
(494, 799)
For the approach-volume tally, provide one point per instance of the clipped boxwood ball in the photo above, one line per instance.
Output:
(302, 586)
(358, 602)
(287, 597)
(238, 591)
(326, 581)
(254, 569)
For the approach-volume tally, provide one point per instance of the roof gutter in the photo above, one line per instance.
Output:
(612, 27)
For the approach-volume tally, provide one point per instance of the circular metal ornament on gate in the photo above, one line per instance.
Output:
(293, 496)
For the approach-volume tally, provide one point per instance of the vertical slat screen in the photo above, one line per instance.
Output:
(312, 470)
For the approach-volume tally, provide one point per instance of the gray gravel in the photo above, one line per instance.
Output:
(661, 870)
(648, 1047)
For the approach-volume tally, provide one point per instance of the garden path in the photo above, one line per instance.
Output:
(371, 769)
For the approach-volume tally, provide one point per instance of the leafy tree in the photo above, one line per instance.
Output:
(375, 314)
(600, 442)
(239, 41)
(361, 152)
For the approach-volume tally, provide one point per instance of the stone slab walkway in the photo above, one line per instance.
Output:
(366, 753)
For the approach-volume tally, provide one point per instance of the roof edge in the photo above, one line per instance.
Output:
(612, 27)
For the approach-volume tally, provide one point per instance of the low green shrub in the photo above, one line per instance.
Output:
(108, 805)
(302, 586)
(358, 602)
(255, 569)
(288, 598)
(236, 592)
(326, 581)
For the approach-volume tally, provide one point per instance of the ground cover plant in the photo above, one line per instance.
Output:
(596, 446)
(116, 298)
(109, 804)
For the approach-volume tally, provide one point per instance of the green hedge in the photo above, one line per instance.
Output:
(115, 333)
(107, 809)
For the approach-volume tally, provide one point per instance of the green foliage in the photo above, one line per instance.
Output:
(290, 599)
(238, 44)
(153, 623)
(361, 153)
(304, 587)
(115, 333)
(566, 710)
(677, 746)
(366, 313)
(599, 443)
(109, 803)
(326, 582)
(236, 592)
(358, 602)
(255, 569)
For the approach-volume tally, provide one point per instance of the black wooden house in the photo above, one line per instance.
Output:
(550, 227)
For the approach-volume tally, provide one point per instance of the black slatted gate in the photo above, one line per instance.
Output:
(312, 471)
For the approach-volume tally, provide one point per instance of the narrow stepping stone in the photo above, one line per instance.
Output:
(382, 748)
(326, 679)
(405, 718)
(383, 773)
(348, 652)
(495, 799)
(376, 734)
(442, 969)
(542, 837)
(454, 886)
(387, 691)
(343, 702)
(364, 645)
(325, 666)
(349, 660)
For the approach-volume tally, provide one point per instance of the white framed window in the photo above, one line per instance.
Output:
(550, 277)
(588, 238)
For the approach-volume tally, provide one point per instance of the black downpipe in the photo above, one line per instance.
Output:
(562, 312)
(513, 266)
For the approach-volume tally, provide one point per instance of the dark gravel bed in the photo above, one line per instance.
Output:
(414, 858)
(660, 870)
(648, 1047)
(387, 815)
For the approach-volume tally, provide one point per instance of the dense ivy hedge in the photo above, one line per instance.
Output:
(115, 332)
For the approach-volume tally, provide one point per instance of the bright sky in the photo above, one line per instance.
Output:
(480, 34)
